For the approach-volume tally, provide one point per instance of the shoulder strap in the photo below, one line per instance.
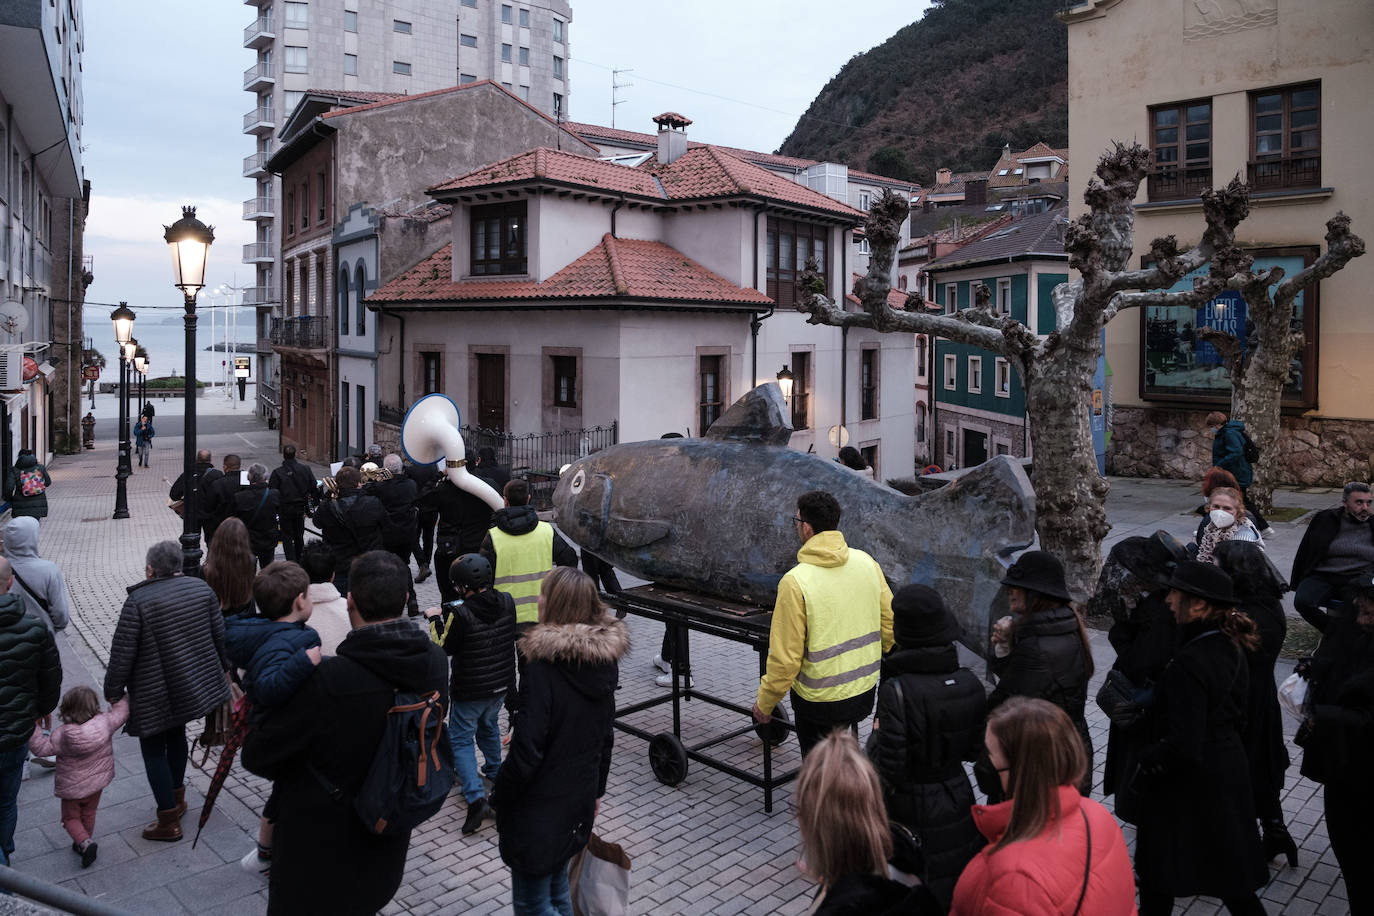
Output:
(42, 602)
(1088, 863)
(262, 502)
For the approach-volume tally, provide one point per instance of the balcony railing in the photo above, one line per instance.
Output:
(303, 331)
(537, 457)
(259, 32)
(264, 345)
(1285, 174)
(258, 120)
(255, 164)
(390, 413)
(258, 76)
(255, 252)
(259, 296)
(1178, 184)
(257, 208)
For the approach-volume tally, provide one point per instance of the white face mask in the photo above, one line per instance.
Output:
(1221, 518)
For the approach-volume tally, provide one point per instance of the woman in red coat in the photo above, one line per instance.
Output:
(1051, 851)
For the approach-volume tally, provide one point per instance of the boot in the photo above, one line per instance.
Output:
(180, 794)
(1278, 841)
(168, 826)
(423, 574)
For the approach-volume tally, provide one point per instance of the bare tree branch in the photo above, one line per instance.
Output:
(1341, 246)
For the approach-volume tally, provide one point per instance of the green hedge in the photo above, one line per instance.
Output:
(176, 383)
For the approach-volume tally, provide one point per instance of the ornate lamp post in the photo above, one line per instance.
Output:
(190, 240)
(140, 366)
(147, 364)
(123, 320)
(785, 383)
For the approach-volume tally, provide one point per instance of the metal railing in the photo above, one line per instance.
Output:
(1178, 184)
(298, 331)
(257, 251)
(257, 207)
(390, 413)
(537, 457)
(259, 295)
(258, 118)
(258, 28)
(255, 163)
(1282, 174)
(257, 75)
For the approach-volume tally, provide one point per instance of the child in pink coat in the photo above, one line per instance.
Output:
(84, 746)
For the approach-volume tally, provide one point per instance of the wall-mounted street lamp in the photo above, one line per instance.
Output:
(785, 383)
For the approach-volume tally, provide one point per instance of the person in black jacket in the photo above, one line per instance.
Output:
(218, 501)
(1043, 653)
(207, 474)
(351, 524)
(1259, 594)
(1337, 738)
(547, 790)
(426, 477)
(324, 859)
(296, 487)
(1197, 832)
(930, 719)
(478, 632)
(27, 474)
(1337, 545)
(256, 506)
(30, 684)
(397, 494)
(463, 522)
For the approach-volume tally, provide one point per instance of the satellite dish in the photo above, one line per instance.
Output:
(14, 317)
(839, 436)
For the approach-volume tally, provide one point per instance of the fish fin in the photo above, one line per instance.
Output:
(761, 416)
(633, 532)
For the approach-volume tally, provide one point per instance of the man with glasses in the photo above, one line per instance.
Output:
(831, 625)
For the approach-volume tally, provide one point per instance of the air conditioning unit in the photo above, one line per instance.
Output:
(11, 367)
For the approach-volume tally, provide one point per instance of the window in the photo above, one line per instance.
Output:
(305, 206)
(290, 98)
(506, 53)
(297, 15)
(321, 196)
(863, 246)
(341, 293)
(362, 292)
(711, 398)
(791, 245)
(865, 200)
(951, 298)
(975, 375)
(949, 449)
(506, 14)
(564, 381)
(468, 41)
(429, 372)
(524, 57)
(524, 19)
(1004, 296)
(350, 21)
(401, 67)
(400, 25)
(525, 93)
(295, 60)
(558, 68)
(508, 87)
(465, 78)
(868, 384)
(920, 423)
(951, 371)
(901, 283)
(870, 456)
(558, 30)
(801, 391)
(1003, 369)
(498, 239)
(362, 415)
(290, 212)
(557, 104)
(1181, 141)
(1285, 144)
(350, 65)
(470, 4)
(920, 357)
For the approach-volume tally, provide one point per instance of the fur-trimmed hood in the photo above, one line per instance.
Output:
(577, 643)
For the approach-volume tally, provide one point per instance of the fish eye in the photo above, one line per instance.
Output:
(578, 481)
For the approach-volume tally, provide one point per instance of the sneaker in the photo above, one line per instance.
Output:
(255, 864)
(476, 812)
(422, 575)
(1269, 532)
(666, 680)
(88, 854)
(661, 665)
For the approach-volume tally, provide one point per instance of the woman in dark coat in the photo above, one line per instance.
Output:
(1337, 738)
(548, 788)
(1197, 832)
(1258, 593)
(35, 502)
(1043, 653)
(929, 720)
(256, 506)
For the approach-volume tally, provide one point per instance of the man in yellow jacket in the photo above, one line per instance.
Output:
(831, 625)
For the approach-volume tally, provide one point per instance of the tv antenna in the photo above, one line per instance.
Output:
(616, 85)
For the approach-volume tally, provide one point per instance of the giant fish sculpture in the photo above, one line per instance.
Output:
(714, 514)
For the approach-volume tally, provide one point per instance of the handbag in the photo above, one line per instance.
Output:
(1293, 694)
(178, 506)
(1123, 702)
(599, 879)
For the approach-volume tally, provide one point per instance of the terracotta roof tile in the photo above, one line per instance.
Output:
(560, 167)
(614, 269)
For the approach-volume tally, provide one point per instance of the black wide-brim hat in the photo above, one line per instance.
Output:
(1038, 571)
(1150, 559)
(920, 618)
(1203, 580)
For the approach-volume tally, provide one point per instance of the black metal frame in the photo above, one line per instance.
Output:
(684, 612)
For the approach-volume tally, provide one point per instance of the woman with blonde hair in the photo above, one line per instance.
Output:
(845, 836)
(1225, 521)
(230, 566)
(548, 789)
(1051, 850)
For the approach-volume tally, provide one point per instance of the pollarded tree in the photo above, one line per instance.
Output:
(1057, 370)
(1260, 368)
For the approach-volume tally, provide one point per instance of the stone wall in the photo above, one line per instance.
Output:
(1172, 442)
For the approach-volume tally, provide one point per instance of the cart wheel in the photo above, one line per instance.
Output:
(775, 732)
(668, 759)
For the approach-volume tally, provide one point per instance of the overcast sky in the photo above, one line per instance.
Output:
(164, 105)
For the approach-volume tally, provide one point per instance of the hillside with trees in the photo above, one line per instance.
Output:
(947, 91)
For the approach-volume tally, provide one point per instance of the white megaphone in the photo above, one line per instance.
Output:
(431, 432)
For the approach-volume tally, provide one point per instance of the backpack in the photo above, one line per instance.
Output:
(31, 482)
(1250, 449)
(411, 771)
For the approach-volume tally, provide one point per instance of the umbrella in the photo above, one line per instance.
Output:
(238, 730)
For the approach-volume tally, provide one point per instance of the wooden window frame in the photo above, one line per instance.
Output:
(508, 261)
(1291, 167)
(781, 283)
(431, 365)
(1002, 370)
(870, 378)
(951, 376)
(1182, 177)
(975, 375)
(708, 411)
(801, 388)
(563, 361)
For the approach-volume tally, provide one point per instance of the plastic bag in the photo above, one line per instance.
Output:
(600, 879)
(1293, 694)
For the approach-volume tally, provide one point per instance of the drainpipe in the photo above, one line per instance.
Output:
(73, 345)
(618, 204)
(757, 321)
(844, 371)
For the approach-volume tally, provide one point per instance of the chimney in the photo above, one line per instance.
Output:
(943, 176)
(672, 136)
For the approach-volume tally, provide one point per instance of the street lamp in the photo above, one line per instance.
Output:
(123, 320)
(147, 364)
(140, 367)
(189, 240)
(785, 383)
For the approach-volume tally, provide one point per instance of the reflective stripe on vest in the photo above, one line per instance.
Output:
(844, 642)
(522, 561)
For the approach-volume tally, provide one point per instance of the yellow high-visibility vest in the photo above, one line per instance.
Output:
(522, 562)
(844, 641)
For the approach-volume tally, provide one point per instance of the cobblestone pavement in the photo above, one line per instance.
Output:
(704, 846)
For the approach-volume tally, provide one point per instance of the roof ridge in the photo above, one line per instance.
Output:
(608, 243)
(716, 153)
